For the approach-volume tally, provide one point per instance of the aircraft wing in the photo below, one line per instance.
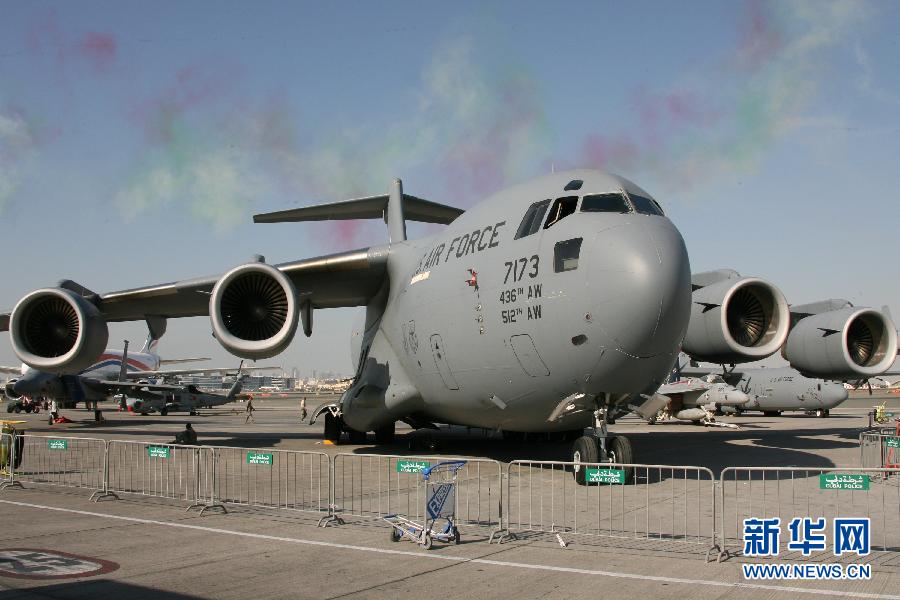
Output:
(178, 361)
(336, 280)
(682, 387)
(209, 371)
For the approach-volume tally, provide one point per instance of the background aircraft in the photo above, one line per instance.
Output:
(179, 398)
(692, 399)
(111, 373)
(550, 306)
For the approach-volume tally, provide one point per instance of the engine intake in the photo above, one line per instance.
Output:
(736, 320)
(55, 329)
(849, 343)
(253, 310)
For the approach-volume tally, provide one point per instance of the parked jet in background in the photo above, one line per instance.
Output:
(552, 305)
(692, 399)
(778, 390)
(114, 372)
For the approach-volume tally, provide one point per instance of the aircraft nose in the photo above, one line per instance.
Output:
(834, 395)
(640, 285)
(737, 398)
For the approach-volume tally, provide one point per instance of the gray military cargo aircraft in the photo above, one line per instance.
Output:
(550, 306)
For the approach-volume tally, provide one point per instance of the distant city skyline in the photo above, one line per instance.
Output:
(136, 140)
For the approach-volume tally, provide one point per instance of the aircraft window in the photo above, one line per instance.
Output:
(531, 222)
(565, 255)
(562, 208)
(614, 203)
(646, 206)
(575, 184)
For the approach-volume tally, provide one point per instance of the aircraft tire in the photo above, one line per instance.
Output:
(620, 451)
(771, 413)
(17, 409)
(395, 535)
(823, 413)
(584, 450)
(10, 407)
(164, 411)
(385, 435)
(332, 428)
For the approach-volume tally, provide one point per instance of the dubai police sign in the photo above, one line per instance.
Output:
(615, 476)
(412, 466)
(260, 458)
(838, 481)
(158, 451)
(58, 444)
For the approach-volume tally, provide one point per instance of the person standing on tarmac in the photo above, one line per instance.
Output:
(53, 413)
(250, 410)
(303, 408)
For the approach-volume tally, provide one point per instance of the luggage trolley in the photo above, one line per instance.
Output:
(440, 503)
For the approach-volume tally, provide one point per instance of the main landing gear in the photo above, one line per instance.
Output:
(334, 427)
(601, 448)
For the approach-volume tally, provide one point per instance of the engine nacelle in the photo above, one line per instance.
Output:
(254, 312)
(9, 390)
(736, 320)
(850, 343)
(56, 330)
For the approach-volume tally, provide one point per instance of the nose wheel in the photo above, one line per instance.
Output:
(600, 448)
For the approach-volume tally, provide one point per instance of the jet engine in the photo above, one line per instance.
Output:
(847, 343)
(735, 319)
(9, 390)
(57, 330)
(254, 312)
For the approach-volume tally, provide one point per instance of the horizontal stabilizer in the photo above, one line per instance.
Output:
(373, 207)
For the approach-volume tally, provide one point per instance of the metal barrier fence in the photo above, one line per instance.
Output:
(269, 478)
(376, 485)
(68, 462)
(7, 460)
(785, 492)
(157, 470)
(670, 503)
(879, 449)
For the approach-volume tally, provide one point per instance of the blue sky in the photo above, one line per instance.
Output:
(137, 139)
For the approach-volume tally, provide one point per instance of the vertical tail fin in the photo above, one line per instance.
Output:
(123, 367)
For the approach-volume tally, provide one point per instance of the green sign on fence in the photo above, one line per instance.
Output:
(158, 451)
(845, 481)
(892, 442)
(604, 476)
(259, 458)
(412, 466)
(58, 444)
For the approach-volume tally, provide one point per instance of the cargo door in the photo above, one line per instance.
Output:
(440, 361)
(527, 355)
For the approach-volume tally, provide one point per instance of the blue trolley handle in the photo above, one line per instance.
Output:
(447, 465)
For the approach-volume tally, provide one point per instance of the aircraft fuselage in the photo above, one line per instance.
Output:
(485, 328)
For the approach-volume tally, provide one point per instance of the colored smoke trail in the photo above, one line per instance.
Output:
(18, 147)
(763, 88)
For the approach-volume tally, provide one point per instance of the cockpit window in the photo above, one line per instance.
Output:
(614, 203)
(562, 208)
(646, 206)
(532, 220)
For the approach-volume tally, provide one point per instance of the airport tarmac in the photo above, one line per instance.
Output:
(149, 547)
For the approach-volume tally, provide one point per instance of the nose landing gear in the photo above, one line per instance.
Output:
(601, 448)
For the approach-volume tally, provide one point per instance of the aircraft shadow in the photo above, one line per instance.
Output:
(94, 588)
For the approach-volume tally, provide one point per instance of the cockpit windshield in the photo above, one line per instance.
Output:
(533, 219)
(646, 206)
(612, 203)
(562, 208)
